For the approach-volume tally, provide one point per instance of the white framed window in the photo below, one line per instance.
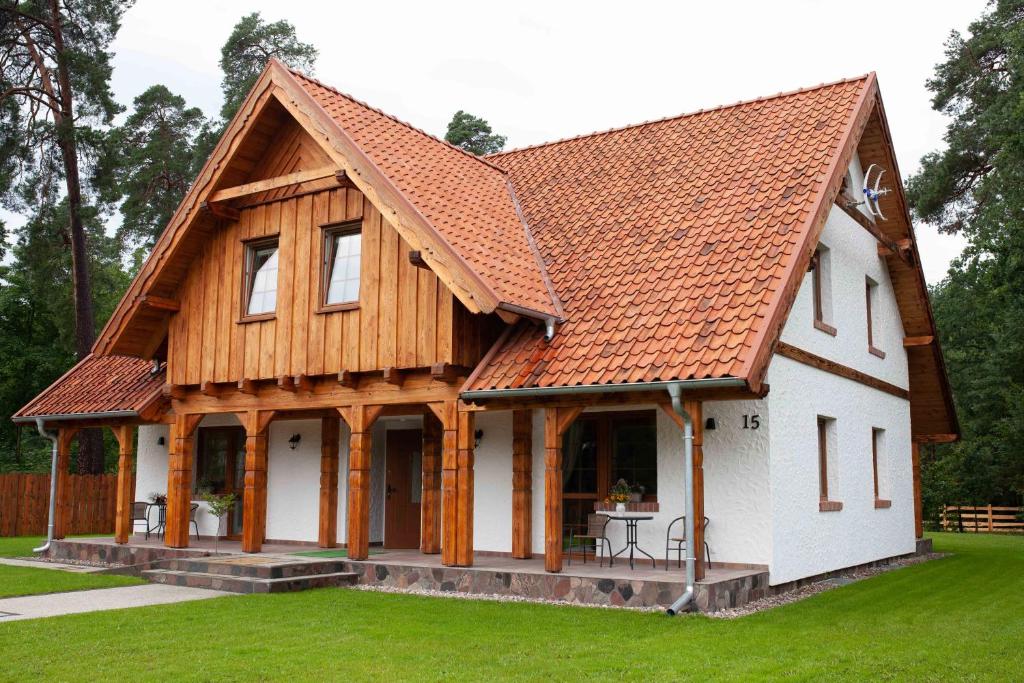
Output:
(340, 273)
(880, 468)
(827, 465)
(821, 282)
(871, 305)
(260, 291)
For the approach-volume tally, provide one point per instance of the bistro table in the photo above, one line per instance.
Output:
(161, 519)
(631, 519)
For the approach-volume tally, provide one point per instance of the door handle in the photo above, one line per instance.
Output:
(390, 489)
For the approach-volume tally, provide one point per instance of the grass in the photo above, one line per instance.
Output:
(961, 617)
(32, 581)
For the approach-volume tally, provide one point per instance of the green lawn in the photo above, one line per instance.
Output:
(961, 617)
(30, 581)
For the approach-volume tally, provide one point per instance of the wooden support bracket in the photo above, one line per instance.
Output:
(348, 379)
(909, 342)
(394, 376)
(286, 382)
(161, 303)
(228, 213)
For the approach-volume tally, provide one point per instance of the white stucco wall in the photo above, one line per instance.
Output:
(492, 478)
(806, 541)
(293, 481)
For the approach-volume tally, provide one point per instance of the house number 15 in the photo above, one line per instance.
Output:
(751, 421)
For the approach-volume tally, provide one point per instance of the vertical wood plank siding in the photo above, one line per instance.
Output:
(25, 503)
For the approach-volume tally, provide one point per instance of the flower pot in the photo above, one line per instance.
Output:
(620, 507)
(635, 497)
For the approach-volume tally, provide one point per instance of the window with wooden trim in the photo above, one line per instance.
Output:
(870, 299)
(601, 448)
(822, 289)
(340, 270)
(879, 470)
(827, 465)
(260, 279)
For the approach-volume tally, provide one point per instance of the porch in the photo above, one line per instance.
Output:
(490, 575)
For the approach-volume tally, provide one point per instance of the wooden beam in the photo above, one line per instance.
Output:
(125, 435)
(210, 389)
(223, 211)
(936, 438)
(556, 421)
(174, 391)
(341, 177)
(304, 383)
(465, 437)
(161, 303)
(254, 496)
(247, 386)
(808, 358)
(909, 342)
(522, 484)
(416, 259)
(329, 459)
(297, 178)
(359, 419)
(430, 508)
(286, 383)
(394, 376)
(348, 379)
(449, 373)
(179, 479)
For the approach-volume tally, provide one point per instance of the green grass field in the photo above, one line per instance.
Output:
(958, 618)
(30, 581)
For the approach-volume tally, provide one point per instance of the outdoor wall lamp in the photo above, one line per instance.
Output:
(160, 441)
(477, 435)
(709, 424)
(293, 442)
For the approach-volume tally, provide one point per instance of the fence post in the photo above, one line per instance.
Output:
(990, 516)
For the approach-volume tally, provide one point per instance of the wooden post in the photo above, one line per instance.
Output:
(125, 435)
(179, 480)
(464, 489)
(430, 507)
(329, 429)
(696, 411)
(63, 509)
(556, 422)
(522, 484)
(359, 419)
(254, 497)
(915, 462)
(456, 483)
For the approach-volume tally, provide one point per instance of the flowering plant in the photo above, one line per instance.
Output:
(620, 492)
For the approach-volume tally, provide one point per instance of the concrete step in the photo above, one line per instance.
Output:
(248, 584)
(246, 568)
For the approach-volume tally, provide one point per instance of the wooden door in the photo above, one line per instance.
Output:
(404, 488)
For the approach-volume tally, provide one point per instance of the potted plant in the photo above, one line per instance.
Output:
(219, 506)
(619, 495)
(636, 493)
(158, 499)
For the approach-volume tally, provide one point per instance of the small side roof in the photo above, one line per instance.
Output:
(98, 385)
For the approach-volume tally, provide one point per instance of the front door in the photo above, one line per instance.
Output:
(404, 487)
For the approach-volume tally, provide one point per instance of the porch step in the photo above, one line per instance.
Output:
(248, 584)
(256, 567)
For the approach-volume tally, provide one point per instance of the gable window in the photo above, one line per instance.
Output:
(870, 299)
(260, 292)
(339, 276)
(878, 468)
(822, 290)
(827, 464)
(601, 448)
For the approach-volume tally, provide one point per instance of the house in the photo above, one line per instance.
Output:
(373, 337)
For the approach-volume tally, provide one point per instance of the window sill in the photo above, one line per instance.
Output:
(335, 308)
(262, 317)
(882, 504)
(876, 352)
(825, 327)
(830, 506)
(646, 506)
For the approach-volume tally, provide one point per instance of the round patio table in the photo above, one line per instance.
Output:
(631, 519)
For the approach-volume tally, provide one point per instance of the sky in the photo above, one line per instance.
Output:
(539, 71)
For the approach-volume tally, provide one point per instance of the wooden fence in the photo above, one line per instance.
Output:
(983, 518)
(25, 501)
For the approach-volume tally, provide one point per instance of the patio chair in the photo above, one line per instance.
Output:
(192, 518)
(680, 542)
(596, 525)
(140, 513)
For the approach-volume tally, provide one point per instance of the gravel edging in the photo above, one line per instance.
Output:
(492, 597)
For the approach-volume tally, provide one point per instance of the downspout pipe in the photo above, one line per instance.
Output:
(53, 485)
(675, 390)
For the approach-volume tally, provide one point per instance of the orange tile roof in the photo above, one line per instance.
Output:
(98, 384)
(466, 199)
(668, 242)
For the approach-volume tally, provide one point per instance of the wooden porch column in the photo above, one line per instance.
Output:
(328, 537)
(466, 438)
(915, 462)
(62, 510)
(359, 419)
(254, 497)
(125, 435)
(556, 422)
(696, 411)
(522, 484)
(456, 483)
(179, 480)
(430, 507)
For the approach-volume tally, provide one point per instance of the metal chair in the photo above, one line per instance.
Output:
(192, 518)
(680, 542)
(140, 513)
(596, 524)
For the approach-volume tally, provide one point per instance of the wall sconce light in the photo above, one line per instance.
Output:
(293, 442)
(477, 435)
(161, 441)
(709, 424)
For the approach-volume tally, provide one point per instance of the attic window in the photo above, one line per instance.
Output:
(260, 279)
(822, 290)
(870, 299)
(339, 275)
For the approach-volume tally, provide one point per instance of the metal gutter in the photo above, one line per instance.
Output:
(53, 485)
(102, 415)
(676, 392)
(617, 388)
